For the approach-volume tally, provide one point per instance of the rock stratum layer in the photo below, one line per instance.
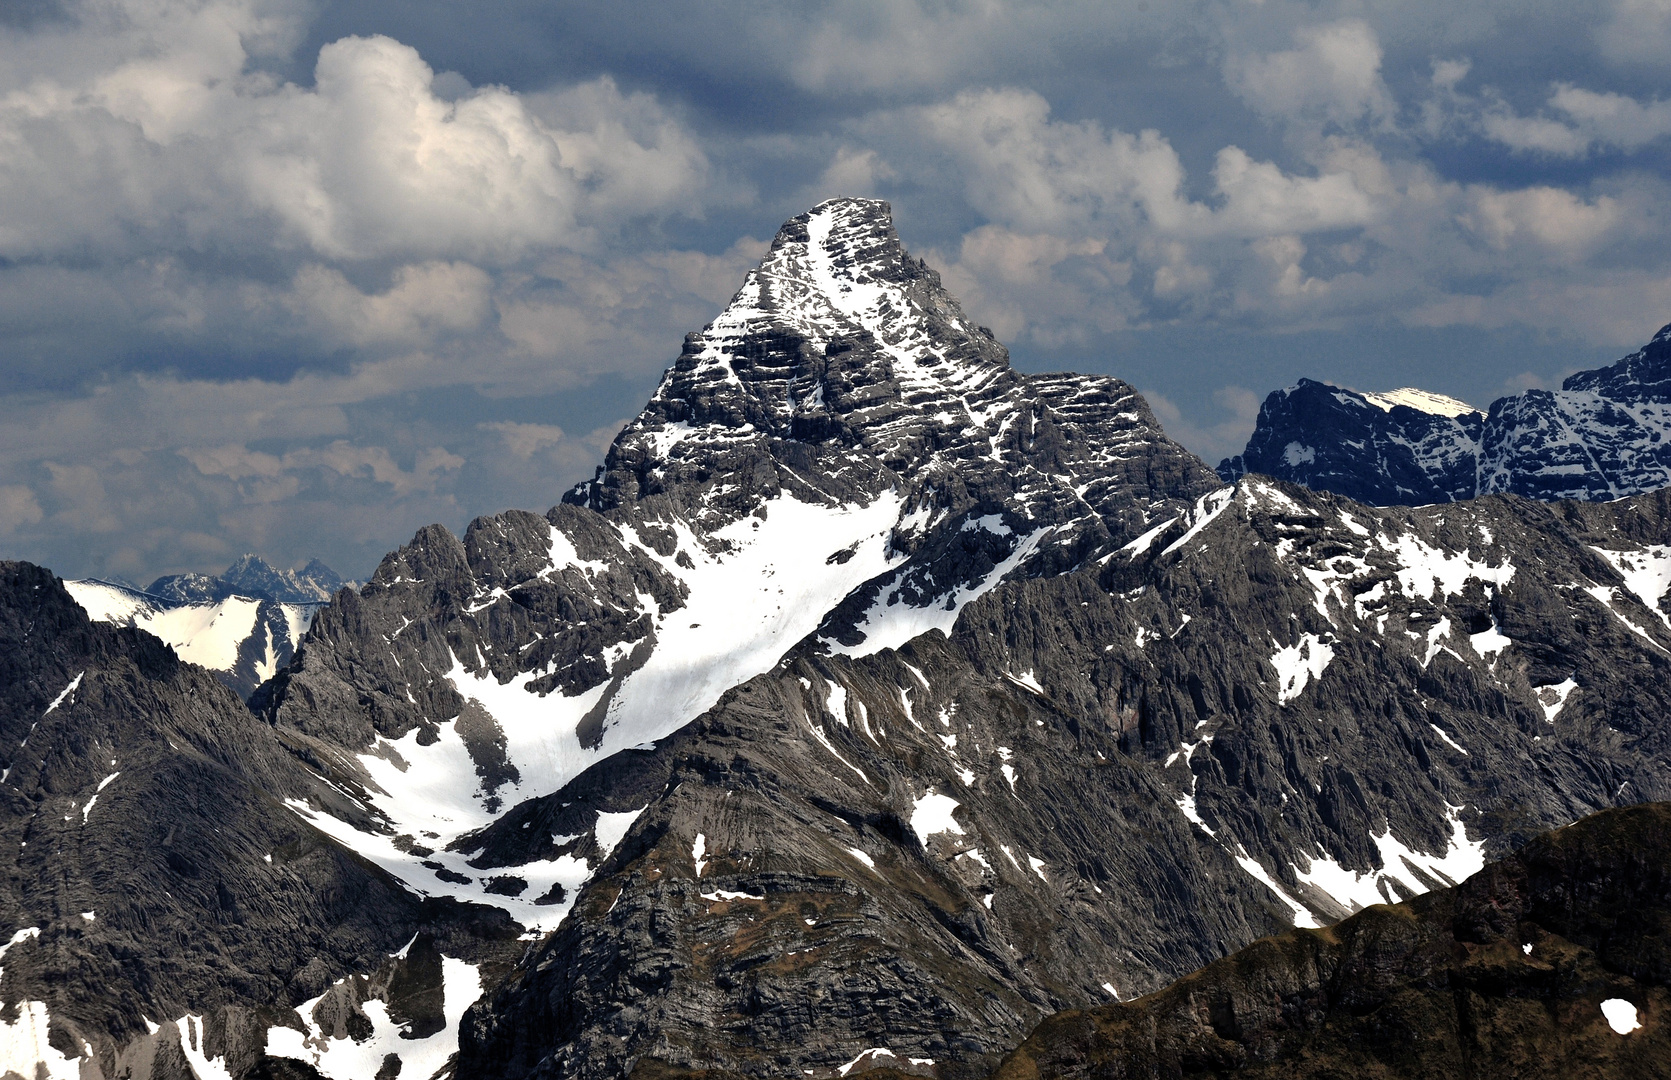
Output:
(877, 700)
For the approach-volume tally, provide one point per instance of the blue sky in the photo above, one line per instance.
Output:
(298, 278)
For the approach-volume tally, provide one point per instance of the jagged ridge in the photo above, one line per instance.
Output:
(1605, 434)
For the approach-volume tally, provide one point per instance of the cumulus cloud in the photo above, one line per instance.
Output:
(181, 146)
(1331, 76)
(1092, 230)
(526, 440)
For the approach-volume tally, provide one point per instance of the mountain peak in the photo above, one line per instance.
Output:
(252, 576)
(838, 336)
(1601, 436)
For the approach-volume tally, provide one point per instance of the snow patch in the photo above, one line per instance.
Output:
(1027, 680)
(191, 1032)
(1353, 890)
(1445, 735)
(890, 622)
(611, 829)
(205, 634)
(64, 693)
(1552, 699)
(24, 1047)
(1298, 664)
(933, 814)
(868, 1056)
(1621, 1015)
(1207, 507)
(1422, 401)
(1647, 573)
(1302, 915)
(348, 1059)
(836, 701)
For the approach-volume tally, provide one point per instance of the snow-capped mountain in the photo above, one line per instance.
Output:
(1605, 434)
(255, 577)
(238, 625)
(873, 702)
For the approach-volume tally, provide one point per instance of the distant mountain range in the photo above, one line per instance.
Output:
(1604, 435)
(254, 577)
(243, 625)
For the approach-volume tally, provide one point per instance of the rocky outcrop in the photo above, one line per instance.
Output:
(252, 576)
(152, 871)
(1550, 963)
(1605, 434)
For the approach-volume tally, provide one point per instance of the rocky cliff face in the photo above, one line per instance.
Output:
(1551, 963)
(163, 908)
(876, 701)
(1604, 434)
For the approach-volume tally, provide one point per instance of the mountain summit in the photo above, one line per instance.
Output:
(872, 703)
(253, 577)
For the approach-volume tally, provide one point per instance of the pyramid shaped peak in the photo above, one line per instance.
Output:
(838, 273)
(838, 335)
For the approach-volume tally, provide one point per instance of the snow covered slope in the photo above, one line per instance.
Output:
(1604, 434)
(241, 639)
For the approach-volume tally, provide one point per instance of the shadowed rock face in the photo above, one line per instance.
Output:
(150, 867)
(1503, 976)
(1605, 434)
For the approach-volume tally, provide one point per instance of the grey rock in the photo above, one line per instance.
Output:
(1605, 434)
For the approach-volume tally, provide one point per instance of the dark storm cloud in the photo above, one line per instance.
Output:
(300, 277)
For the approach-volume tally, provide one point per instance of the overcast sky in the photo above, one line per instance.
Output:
(299, 277)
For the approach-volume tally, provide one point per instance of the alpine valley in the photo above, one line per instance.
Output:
(875, 702)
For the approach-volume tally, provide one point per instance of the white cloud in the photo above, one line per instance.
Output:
(1612, 119)
(1237, 408)
(1637, 31)
(188, 150)
(18, 507)
(1331, 76)
(1574, 122)
(245, 305)
(525, 440)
